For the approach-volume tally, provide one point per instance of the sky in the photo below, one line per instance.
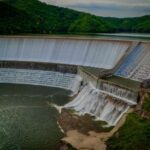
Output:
(107, 8)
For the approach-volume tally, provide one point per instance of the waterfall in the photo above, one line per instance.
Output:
(75, 85)
(126, 95)
(83, 52)
(96, 103)
(39, 77)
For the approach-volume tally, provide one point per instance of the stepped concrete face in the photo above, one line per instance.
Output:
(121, 93)
(82, 52)
(137, 64)
(105, 100)
(99, 104)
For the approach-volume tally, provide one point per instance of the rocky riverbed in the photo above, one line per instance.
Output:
(83, 132)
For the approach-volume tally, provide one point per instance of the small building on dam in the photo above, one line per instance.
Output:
(104, 74)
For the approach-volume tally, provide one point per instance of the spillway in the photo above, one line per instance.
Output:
(105, 100)
(83, 52)
(99, 104)
(39, 77)
(121, 93)
(137, 64)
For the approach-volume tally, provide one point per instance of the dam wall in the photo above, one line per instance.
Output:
(87, 77)
(101, 105)
(66, 81)
(126, 94)
(39, 66)
(137, 65)
(102, 99)
(71, 51)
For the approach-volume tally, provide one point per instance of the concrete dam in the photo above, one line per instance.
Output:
(79, 52)
(137, 65)
(64, 62)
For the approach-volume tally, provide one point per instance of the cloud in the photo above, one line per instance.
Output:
(113, 8)
(68, 2)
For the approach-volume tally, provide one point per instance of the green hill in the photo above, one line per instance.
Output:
(137, 24)
(88, 24)
(49, 18)
(52, 19)
(33, 16)
(13, 20)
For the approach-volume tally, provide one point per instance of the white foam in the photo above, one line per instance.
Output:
(39, 77)
(99, 104)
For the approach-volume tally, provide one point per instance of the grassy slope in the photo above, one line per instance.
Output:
(134, 134)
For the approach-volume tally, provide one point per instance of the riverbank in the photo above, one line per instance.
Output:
(82, 132)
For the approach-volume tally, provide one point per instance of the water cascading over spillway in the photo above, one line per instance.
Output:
(39, 77)
(83, 52)
(121, 93)
(99, 104)
(137, 64)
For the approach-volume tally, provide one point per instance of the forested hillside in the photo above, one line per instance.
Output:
(138, 24)
(13, 20)
(45, 18)
(33, 16)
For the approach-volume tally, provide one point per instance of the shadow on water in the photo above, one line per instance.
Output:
(27, 122)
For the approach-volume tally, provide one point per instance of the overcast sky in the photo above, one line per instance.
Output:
(113, 8)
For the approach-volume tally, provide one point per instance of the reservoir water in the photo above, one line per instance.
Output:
(27, 121)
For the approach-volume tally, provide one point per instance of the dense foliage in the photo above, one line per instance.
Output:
(139, 24)
(33, 16)
(133, 135)
(13, 20)
(42, 17)
(49, 18)
(146, 105)
(88, 24)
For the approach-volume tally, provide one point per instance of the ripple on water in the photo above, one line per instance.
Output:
(26, 119)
